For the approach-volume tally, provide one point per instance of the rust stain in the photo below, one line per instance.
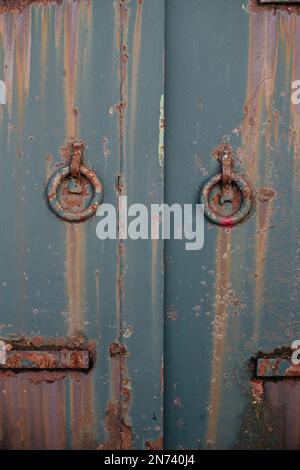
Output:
(23, 52)
(117, 422)
(283, 400)
(58, 27)
(293, 371)
(121, 25)
(82, 412)
(82, 394)
(262, 66)
(220, 323)
(86, 26)
(75, 276)
(75, 238)
(49, 166)
(135, 58)
(32, 416)
(266, 196)
(7, 26)
(295, 111)
(46, 376)
(33, 405)
(155, 445)
(271, 30)
(44, 51)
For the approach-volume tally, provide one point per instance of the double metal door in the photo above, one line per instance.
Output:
(122, 343)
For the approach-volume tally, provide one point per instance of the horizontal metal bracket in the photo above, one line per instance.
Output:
(64, 359)
(283, 2)
(37, 354)
(276, 367)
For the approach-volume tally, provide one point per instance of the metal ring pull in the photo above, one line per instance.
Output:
(226, 187)
(74, 192)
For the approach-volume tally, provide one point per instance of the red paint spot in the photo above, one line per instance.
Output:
(227, 222)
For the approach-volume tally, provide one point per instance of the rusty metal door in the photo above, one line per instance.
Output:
(83, 95)
(83, 346)
(232, 309)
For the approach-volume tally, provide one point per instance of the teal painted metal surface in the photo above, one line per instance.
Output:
(80, 70)
(230, 67)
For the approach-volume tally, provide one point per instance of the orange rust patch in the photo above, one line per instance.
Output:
(17, 6)
(220, 325)
(293, 371)
(223, 148)
(257, 387)
(119, 433)
(155, 445)
(45, 376)
(265, 194)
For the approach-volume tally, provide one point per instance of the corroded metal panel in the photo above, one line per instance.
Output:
(79, 69)
(240, 294)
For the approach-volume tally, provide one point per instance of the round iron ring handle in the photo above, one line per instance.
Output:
(57, 179)
(243, 211)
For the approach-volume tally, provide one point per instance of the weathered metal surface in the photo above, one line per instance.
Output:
(240, 294)
(80, 70)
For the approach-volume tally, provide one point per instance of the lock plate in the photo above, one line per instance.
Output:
(26, 355)
(276, 367)
(45, 360)
(282, 2)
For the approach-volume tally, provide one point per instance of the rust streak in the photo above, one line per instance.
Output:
(136, 52)
(117, 421)
(223, 269)
(264, 210)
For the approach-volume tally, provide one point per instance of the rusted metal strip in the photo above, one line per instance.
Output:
(41, 359)
(277, 367)
(297, 2)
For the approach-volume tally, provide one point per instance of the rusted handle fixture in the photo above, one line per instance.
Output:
(224, 183)
(74, 175)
